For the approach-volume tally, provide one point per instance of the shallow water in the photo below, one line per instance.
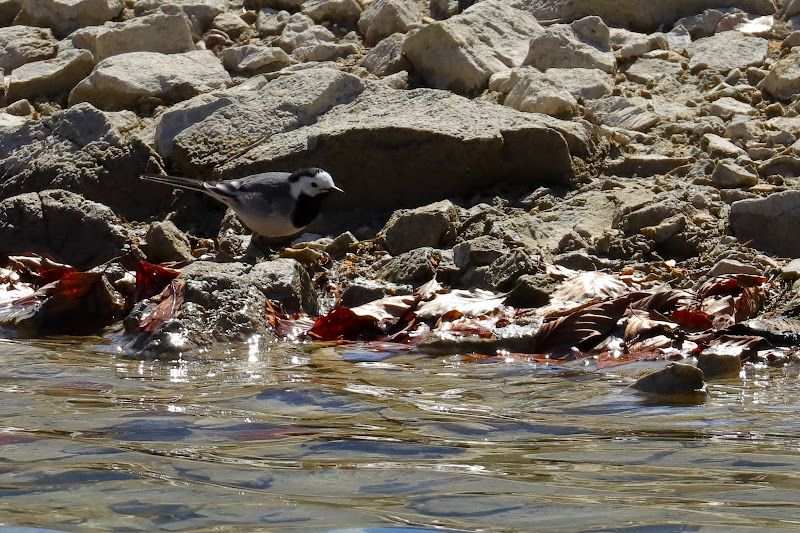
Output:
(283, 437)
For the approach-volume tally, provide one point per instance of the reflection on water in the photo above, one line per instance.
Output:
(286, 437)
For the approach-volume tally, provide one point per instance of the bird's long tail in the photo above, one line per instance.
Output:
(176, 181)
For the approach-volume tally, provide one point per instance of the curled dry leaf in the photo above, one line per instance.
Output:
(169, 306)
(151, 279)
(343, 323)
(470, 303)
(728, 284)
(582, 329)
(589, 286)
(39, 269)
(661, 302)
(640, 324)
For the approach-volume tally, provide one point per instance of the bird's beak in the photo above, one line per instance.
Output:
(335, 188)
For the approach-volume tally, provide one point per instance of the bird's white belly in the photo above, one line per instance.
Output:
(269, 226)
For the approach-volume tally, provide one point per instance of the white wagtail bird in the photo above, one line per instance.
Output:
(271, 204)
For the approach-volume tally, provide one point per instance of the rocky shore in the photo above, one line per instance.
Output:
(501, 145)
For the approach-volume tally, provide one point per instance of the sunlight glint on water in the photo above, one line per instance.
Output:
(270, 437)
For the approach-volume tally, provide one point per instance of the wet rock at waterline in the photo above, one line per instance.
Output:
(61, 225)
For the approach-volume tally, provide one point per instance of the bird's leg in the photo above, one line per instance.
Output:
(258, 249)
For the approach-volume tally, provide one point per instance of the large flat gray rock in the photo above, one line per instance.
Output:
(462, 52)
(639, 15)
(50, 77)
(66, 16)
(726, 51)
(769, 223)
(404, 148)
(22, 44)
(62, 225)
(166, 34)
(386, 148)
(121, 81)
(199, 12)
(80, 150)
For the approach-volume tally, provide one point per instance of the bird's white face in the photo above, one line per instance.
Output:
(314, 184)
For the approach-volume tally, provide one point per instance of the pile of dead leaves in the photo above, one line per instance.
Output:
(610, 318)
(39, 296)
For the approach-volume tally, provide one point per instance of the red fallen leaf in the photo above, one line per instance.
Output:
(582, 329)
(293, 329)
(749, 303)
(169, 306)
(151, 279)
(661, 302)
(342, 323)
(81, 300)
(730, 284)
(40, 269)
(692, 319)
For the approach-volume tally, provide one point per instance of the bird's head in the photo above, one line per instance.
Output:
(311, 182)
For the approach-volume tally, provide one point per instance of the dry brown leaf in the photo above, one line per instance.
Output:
(582, 329)
(590, 286)
(169, 306)
(386, 312)
(640, 323)
(471, 303)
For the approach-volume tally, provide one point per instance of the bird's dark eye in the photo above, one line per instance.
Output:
(313, 184)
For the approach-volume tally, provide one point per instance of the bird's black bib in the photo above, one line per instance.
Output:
(306, 209)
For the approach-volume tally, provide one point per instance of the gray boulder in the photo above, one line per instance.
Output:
(22, 44)
(554, 92)
(50, 77)
(621, 112)
(490, 143)
(66, 16)
(783, 80)
(462, 52)
(387, 56)
(638, 15)
(287, 281)
(8, 11)
(255, 58)
(301, 31)
(121, 81)
(270, 23)
(769, 223)
(62, 225)
(224, 302)
(650, 70)
(79, 149)
(343, 12)
(166, 34)
(729, 175)
(414, 267)
(215, 306)
(324, 51)
(385, 17)
(201, 13)
(432, 226)
(284, 104)
(726, 51)
(582, 44)
(232, 25)
(165, 242)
